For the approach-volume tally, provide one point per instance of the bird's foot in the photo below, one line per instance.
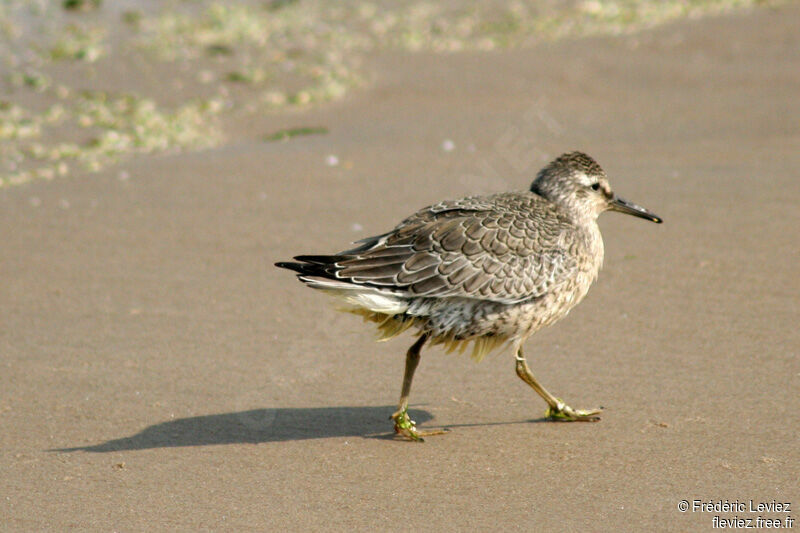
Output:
(403, 425)
(565, 413)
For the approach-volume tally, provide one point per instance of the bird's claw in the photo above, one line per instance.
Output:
(403, 425)
(564, 413)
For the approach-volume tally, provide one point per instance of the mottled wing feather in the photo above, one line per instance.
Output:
(502, 248)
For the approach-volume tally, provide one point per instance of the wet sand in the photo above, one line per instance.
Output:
(159, 373)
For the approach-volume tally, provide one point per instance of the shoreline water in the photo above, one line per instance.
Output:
(85, 88)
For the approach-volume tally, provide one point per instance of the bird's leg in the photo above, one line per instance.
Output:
(403, 425)
(557, 409)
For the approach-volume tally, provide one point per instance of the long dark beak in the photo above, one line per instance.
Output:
(629, 208)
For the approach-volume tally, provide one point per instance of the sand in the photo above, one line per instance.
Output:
(158, 373)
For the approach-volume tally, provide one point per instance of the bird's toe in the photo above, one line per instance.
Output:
(564, 413)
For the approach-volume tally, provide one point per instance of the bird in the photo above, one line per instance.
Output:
(486, 270)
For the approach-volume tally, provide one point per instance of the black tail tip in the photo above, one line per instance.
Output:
(288, 265)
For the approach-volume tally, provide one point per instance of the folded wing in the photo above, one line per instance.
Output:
(485, 248)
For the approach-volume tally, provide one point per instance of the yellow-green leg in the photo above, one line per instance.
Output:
(403, 425)
(557, 409)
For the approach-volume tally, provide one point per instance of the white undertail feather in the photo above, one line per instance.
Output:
(359, 297)
(387, 311)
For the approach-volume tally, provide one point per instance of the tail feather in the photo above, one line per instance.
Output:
(309, 268)
(318, 259)
(319, 272)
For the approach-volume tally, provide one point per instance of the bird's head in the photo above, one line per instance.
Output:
(575, 181)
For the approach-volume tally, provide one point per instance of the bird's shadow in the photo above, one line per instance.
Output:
(260, 425)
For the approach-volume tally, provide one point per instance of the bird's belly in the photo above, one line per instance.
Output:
(463, 318)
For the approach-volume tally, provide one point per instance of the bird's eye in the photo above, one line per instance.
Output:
(596, 186)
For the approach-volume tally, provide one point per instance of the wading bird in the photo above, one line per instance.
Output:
(486, 270)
